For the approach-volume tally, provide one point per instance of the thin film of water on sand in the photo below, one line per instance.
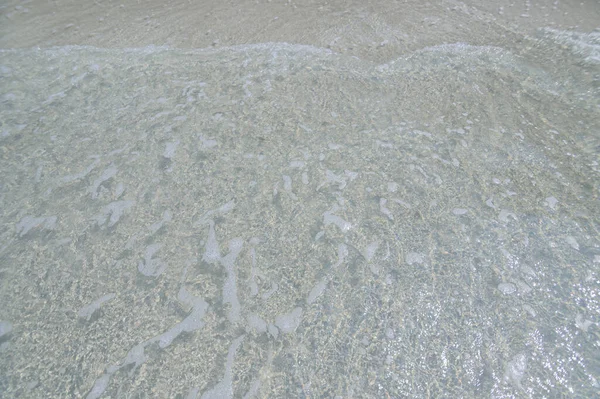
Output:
(282, 221)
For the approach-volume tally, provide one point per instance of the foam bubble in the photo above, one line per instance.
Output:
(370, 250)
(342, 254)
(224, 389)
(504, 215)
(106, 175)
(330, 218)
(212, 253)
(384, 209)
(88, 311)
(551, 202)
(113, 212)
(414, 257)
(572, 242)
(230, 286)
(515, 370)
(5, 330)
(256, 323)
(150, 266)
(316, 291)
(289, 322)
(170, 149)
(507, 288)
(28, 223)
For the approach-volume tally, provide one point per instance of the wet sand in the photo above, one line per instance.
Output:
(373, 30)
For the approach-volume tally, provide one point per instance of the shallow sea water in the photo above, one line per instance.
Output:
(279, 220)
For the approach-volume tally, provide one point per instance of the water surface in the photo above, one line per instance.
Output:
(279, 220)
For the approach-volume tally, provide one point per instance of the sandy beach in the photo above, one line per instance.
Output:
(311, 199)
